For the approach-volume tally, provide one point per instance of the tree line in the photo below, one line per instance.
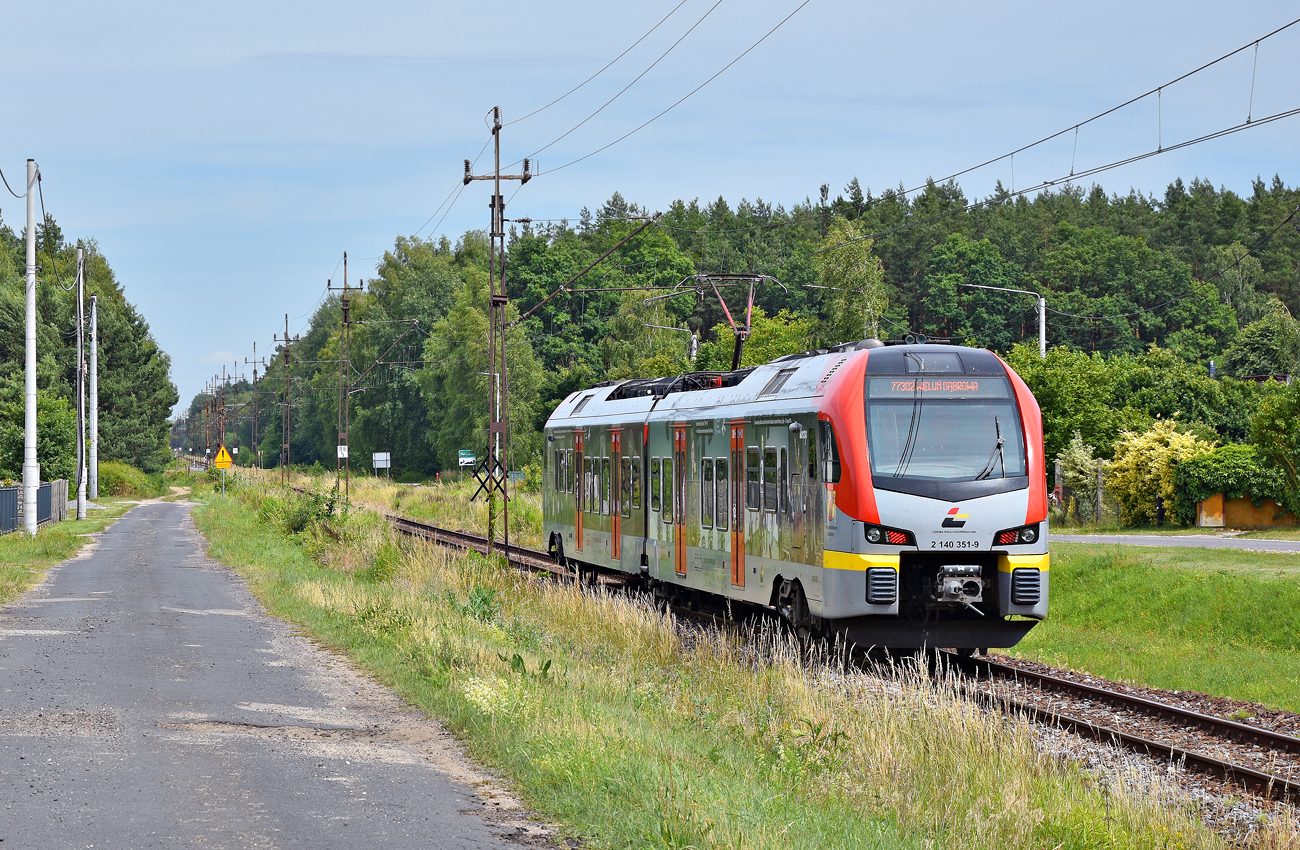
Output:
(136, 394)
(1151, 288)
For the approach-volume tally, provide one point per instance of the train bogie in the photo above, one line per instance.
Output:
(894, 494)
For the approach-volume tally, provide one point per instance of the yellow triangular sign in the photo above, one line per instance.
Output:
(223, 459)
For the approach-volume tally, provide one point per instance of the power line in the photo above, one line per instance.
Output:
(684, 97)
(11, 191)
(1047, 184)
(45, 222)
(1075, 127)
(456, 190)
(903, 193)
(635, 80)
(602, 70)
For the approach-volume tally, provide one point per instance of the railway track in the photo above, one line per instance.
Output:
(1239, 735)
(1232, 733)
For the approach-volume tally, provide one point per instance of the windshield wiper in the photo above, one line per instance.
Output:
(914, 425)
(997, 455)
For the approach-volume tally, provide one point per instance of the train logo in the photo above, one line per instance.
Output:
(954, 519)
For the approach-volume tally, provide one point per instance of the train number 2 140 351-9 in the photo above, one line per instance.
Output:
(954, 544)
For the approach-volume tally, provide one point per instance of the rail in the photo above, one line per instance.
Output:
(1260, 781)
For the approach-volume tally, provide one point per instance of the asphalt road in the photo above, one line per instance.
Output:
(149, 702)
(1187, 540)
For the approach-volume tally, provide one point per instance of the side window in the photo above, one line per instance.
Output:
(724, 493)
(706, 493)
(568, 470)
(636, 483)
(654, 483)
(668, 489)
(769, 479)
(796, 494)
(604, 486)
(588, 485)
(782, 485)
(625, 480)
(559, 470)
(830, 453)
(753, 494)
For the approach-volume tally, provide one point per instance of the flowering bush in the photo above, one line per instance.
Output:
(1143, 469)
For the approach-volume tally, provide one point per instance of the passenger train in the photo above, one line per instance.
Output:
(892, 492)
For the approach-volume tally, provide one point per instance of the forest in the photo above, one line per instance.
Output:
(1169, 306)
(136, 394)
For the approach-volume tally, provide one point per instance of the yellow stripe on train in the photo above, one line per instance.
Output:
(854, 562)
(1007, 563)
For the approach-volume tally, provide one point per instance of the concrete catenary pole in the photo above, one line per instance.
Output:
(94, 398)
(81, 384)
(31, 468)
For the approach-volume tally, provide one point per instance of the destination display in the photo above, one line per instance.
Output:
(890, 387)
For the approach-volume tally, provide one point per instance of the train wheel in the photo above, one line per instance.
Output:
(793, 607)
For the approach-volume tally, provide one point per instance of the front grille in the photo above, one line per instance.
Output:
(1025, 587)
(882, 585)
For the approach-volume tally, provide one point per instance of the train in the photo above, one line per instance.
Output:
(891, 492)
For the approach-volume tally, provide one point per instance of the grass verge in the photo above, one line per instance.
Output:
(634, 733)
(1221, 621)
(23, 559)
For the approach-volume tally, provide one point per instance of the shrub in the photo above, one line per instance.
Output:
(1234, 471)
(1079, 472)
(1143, 469)
(121, 479)
(1275, 431)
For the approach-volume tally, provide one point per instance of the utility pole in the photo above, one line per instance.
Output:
(31, 468)
(252, 433)
(497, 478)
(343, 464)
(94, 398)
(284, 409)
(81, 384)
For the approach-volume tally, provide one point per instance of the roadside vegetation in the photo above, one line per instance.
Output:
(633, 732)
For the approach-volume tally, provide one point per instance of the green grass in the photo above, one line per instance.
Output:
(23, 559)
(1220, 621)
(612, 723)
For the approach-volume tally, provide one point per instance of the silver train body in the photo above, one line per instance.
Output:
(892, 493)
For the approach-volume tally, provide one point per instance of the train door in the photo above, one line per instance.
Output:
(738, 504)
(679, 497)
(579, 498)
(616, 491)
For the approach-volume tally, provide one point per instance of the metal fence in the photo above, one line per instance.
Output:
(44, 503)
(9, 499)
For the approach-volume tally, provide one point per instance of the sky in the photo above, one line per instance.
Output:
(226, 155)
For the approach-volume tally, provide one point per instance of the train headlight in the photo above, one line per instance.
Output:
(890, 536)
(1014, 536)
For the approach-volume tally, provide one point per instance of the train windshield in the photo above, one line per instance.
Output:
(944, 428)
